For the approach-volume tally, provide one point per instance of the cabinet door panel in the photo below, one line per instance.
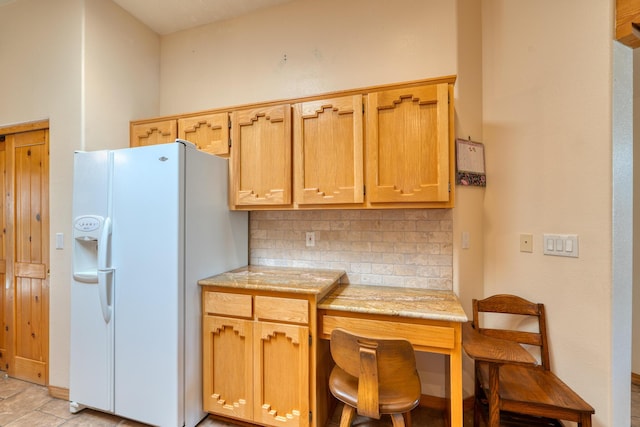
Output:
(282, 374)
(210, 132)
(159, 132)
(408, 145)
(261, 156)
(627, 12)
(227, 366)
(328, 144)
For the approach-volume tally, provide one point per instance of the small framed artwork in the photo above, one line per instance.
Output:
(470, 163)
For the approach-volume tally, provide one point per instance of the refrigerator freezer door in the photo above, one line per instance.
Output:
(91, 354)
(148, 259)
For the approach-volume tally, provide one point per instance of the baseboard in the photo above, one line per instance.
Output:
(442, 403)
(59, 392)
(635, 378)
(426, 401)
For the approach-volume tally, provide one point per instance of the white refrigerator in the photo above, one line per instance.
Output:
(148, 223)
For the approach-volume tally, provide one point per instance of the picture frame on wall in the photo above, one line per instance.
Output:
(470, 166)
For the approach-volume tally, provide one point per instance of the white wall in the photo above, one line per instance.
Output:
(89, 95)
(547, 106)
(329, 45)
(635, 368)
(41, 78)
(122, 74)
(468, 214)
(622, 255)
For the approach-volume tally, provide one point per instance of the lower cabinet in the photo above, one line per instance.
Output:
(256, 363)
(228, 367)
(281, 374)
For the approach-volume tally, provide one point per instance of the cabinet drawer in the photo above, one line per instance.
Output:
(419, 335)
(282, 309)
(227, 304)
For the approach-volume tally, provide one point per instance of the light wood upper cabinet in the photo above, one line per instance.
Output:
(386, 146)
(260, 169)
(328, 151)
(151, 133)
(408, 145)
(209, 132)
(627, 12)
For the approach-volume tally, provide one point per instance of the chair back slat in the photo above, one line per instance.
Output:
(523, 337)
(517, 309)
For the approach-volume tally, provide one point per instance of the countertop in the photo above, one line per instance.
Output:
(395, 301)
(309, 281)
(332, 295)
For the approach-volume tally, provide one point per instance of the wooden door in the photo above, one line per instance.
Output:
(227, 370)
(281, 369)
(26, 246)
(260, 173)
(6, 294)
(408, 145)
(209, 132)
(151, 133)
(328, 157)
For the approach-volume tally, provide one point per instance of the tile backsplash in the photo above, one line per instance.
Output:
(400, 247)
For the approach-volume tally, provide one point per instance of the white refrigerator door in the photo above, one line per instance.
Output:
(147, 242)
(91, 353)
(215, 241)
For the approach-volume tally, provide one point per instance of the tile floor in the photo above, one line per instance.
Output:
(24, 404)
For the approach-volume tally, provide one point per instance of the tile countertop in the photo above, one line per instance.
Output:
(308, 281)
(395, 301)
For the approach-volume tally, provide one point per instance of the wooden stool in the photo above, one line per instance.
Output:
(374, 377)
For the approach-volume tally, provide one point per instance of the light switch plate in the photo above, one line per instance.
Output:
(560, 245)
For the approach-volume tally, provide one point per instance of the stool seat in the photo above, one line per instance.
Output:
(374, 377)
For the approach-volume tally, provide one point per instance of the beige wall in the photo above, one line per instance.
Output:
(536, 91)
(547, 97)
(334, 45)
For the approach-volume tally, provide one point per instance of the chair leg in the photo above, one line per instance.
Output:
(347, 415)
(397, 420)
(476, 413)
(585, 420)
(407, 418)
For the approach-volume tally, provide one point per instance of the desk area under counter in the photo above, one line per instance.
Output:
(274, 324)
(430, 319)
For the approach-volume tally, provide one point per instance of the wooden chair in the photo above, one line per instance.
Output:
(524, 394)
(374, 377)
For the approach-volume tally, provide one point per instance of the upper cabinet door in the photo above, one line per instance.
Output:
(627, 13)
(260, 173)
(209, 132)
(408, 145)
(328, 147)
(151, 133)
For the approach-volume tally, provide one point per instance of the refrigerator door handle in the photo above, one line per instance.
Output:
(104, 245)
(105, 273)
(105, 285)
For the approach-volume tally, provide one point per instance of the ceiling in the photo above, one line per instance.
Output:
(168, 16)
